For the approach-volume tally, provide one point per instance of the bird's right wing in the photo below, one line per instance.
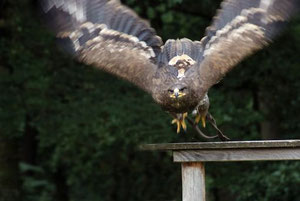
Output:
(240, 28)
(107, 35)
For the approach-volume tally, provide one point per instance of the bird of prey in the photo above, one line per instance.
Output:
(179, 73)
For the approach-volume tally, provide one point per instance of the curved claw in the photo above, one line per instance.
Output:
(180, 122)
(202, 118)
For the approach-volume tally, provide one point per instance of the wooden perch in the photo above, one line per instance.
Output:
(193, 155)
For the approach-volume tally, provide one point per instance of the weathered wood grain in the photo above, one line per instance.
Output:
(193, 155)
(223, 145)
(193, 182)
(266, 154)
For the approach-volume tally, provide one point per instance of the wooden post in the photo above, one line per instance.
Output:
(193, 182)
(193, 155)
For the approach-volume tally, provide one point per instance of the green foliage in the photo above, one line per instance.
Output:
(37, 187)
(87, 124)
(272, 181)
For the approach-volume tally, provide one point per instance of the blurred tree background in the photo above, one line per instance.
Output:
(71, 133)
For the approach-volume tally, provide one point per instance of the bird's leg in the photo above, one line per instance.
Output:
(212, 121)
(201, 117)
(179, 120)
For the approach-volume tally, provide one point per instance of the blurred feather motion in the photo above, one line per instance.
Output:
(179, 73)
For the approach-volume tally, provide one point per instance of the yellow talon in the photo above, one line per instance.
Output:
(202, 118)
(183, 124)
(203, 121)
(177, 122)
(180, 122)
(178, 126)
(197, 120)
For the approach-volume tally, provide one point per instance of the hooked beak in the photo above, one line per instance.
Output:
(177, 94)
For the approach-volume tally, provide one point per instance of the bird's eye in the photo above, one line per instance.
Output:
(170, 91)
(182, 89)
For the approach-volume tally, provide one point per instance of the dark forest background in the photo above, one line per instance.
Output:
(71, 133)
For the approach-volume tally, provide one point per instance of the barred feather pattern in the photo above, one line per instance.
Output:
(111, 37)
(107, 35)
(69, 14)
(239, 29)
(173, 48)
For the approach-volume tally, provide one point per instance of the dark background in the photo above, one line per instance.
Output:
(71, 133)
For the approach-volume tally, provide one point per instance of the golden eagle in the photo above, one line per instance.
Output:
(179, 73)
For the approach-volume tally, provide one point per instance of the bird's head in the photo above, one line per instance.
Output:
(177, 91)
(177, 98)
(176, 95)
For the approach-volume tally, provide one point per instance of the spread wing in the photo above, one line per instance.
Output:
(107, 35)
(240, 28)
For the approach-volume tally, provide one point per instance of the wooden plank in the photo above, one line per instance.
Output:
(266, 154)
(223, 145)
(193, 182)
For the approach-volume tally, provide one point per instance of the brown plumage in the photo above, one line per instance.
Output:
(178, 74)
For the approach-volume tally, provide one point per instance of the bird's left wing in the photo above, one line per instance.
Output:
(107, 35)
(240, 28)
